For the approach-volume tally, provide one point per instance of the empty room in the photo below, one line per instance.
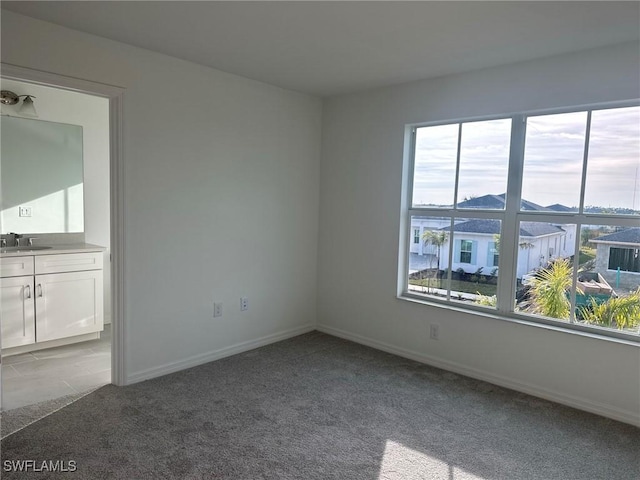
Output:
(348, 240)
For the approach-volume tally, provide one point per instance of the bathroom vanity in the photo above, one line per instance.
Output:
(51, 290)
(51, 282)
(50, 296)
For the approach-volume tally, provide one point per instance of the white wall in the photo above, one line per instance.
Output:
(361, 179)
(92, 113)
(221, 196)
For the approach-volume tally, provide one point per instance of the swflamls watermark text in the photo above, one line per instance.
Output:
(39, 466)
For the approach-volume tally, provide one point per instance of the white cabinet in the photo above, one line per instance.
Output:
(68, 304)
(17, 311)
(69, 262)
(62, 298)
(16, 266)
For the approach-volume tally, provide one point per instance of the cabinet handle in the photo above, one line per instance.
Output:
(39, 290)
(28, 287)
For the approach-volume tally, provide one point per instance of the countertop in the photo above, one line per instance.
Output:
(55, 249)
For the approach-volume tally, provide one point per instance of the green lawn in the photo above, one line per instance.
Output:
(586, 254)
(457, 285)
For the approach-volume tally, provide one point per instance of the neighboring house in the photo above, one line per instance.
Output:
(419, 225)
(474, 240)
(497, 202)
(619, 250)
(557, 207)
(474, 244)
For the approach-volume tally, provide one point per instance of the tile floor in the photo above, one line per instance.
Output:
(43, 375)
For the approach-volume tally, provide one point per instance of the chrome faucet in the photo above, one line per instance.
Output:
(17, 238)
(3, 242)
(30, 241)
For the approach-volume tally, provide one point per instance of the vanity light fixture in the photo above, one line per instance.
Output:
(27, 108)
(8, 98)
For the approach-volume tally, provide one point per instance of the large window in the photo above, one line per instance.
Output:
(624, 259)
(533, 216)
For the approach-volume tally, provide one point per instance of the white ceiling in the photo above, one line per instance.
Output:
(327, 48)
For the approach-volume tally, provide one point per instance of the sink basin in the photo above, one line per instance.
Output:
(23, 249)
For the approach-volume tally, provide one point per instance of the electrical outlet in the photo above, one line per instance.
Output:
(24, 211)
(244, 304)
(217, 309)
(434, 331)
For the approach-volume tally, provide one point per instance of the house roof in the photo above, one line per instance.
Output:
(527, 229)
(477, 226)
(497, 202)
(629, 235)
(538, 229)
(558, 207)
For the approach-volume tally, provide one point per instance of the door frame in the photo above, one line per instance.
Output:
(115, 95)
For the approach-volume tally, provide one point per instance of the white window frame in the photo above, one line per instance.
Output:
(492, 254)
(510, 219)
(469, 252)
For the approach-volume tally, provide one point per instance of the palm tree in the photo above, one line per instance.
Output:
(620, 312)
(437, 238)
(548, 290)
(549, 298)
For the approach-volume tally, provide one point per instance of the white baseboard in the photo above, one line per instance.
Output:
(60, 342)
(207, 357)
(604, 410)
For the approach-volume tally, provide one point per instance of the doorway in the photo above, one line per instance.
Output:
(62, 370)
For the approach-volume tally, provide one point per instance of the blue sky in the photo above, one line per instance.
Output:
(554, 152)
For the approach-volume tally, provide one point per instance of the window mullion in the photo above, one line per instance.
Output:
(576, 251)
(450, 268)
(457, 181)
(574, 274)
(509, 238)
(585, 158)
(405, 247)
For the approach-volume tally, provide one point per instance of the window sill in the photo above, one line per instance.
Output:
(571, 329)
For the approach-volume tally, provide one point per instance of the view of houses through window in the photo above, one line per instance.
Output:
(531, 215)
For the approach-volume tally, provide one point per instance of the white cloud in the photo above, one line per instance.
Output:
(554, 156)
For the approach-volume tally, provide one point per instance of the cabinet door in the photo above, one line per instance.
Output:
(17, 311)
(68, 304)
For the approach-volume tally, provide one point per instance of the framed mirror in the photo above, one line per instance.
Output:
(41, 177)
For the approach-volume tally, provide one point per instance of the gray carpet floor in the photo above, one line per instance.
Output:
(318, 407)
